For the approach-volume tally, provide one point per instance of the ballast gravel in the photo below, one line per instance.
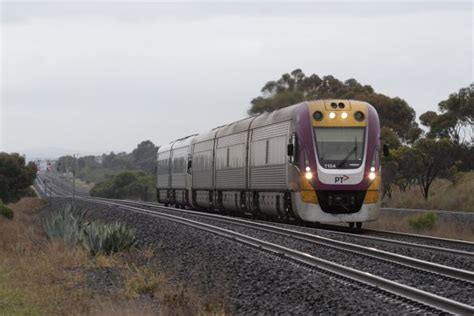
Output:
(248, 280)
(447, 287)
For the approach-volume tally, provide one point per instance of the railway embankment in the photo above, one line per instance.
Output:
(247, 280)
(43, 277)
(446, 224)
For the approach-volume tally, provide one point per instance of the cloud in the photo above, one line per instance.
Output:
(105, 77)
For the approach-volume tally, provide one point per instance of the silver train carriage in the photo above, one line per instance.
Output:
(316, 161)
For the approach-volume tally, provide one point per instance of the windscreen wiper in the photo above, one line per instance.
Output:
(347, 157)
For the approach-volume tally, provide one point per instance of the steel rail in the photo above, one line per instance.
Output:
(379, 239)
(419, 210)
(404, 291)
(454, 242)
(422, 237)
(463, 275)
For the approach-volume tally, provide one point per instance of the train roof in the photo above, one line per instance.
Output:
(178, 143)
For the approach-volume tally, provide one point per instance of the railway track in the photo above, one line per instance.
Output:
(428, 243)
(432, 302)
(444, 245)
(353, 275)
(320, 240)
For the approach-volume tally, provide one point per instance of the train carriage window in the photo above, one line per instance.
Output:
(340, 147)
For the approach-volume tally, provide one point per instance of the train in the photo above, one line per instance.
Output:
(316, 161)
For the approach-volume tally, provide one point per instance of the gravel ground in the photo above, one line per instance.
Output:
(443, 286)
(460, 262)
(250, 281)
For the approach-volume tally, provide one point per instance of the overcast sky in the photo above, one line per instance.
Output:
(90, 78)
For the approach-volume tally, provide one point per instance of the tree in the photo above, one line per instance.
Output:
(144, 157)
(456, 114)
(426, 160)
(389, 176)
(296, 87)
(126, 185)
(389, 137)
(15, 177)
(65, 164)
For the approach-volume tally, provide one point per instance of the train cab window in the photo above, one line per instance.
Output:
(340, 147)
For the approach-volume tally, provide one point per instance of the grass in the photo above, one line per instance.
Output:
(142, 280)
(444, 195)
(6, 211)
(424, 221)
(437, 229)
(43, 277)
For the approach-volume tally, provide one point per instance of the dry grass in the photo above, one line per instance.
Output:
(444, 230)
(142, 280)
(444, 195)
(38, 277)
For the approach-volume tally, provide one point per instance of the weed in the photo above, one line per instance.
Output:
(102, 261)
(6, 211)
(423, 221)
(142, 281)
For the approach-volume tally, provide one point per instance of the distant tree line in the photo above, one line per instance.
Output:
(98, 168)
(417, 157)
(16, 177)
(127, 185)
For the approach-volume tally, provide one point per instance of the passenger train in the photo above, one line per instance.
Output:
(316, 161)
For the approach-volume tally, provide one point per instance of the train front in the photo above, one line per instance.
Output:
(338, 159)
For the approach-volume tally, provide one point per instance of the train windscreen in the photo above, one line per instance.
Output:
(340, 147)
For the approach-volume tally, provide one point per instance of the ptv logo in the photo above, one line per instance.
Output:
(340, 180)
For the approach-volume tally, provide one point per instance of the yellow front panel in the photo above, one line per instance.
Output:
(373, 193)
(308, 194)
(309, 197)
(350, 107)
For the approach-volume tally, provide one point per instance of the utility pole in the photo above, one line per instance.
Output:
(45, 182)
(74, 180)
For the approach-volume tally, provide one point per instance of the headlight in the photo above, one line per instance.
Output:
(344, 115)
(332, 115)
(372, 175)
(308, 175)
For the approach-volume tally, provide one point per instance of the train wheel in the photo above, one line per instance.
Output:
(166, 204)
(359, 225)
(351, 225)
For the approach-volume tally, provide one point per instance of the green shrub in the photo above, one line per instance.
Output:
(423, 221)
(107, 238)
(65, 225)
(68, 225)
(126, 185)
(6, 211)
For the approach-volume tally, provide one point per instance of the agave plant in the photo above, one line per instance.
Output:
(107, 238)
(65, 225)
